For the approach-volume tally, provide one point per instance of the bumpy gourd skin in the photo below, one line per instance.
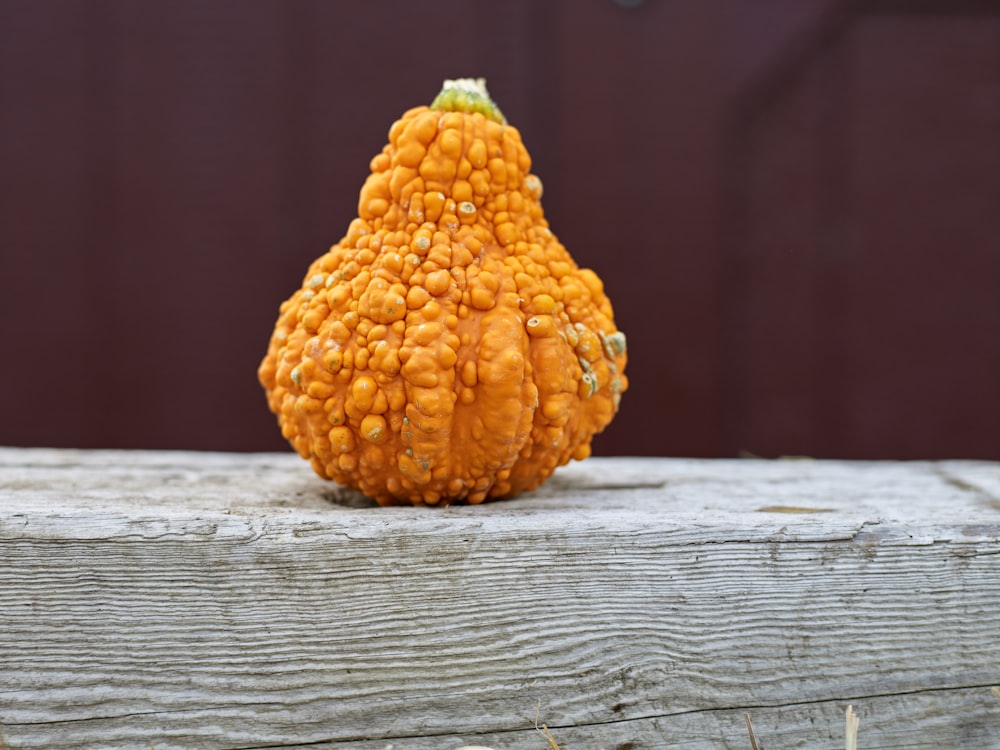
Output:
(448, 348)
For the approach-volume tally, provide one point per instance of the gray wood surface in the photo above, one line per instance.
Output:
(186, 600)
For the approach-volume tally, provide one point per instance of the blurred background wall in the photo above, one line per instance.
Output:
(794, 204)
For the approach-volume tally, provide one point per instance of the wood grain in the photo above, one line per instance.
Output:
(183, 600)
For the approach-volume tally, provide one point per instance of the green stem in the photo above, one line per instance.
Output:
(468, 95)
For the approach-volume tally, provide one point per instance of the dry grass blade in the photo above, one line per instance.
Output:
(549, 737)
(753, 737)
(544, 729)
(996, 692)
(852, 721)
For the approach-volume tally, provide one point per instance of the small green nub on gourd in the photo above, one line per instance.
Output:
(468, 95)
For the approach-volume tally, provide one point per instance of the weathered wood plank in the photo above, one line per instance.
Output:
(183, 600)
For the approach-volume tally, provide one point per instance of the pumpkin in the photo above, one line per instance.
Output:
(448, 348)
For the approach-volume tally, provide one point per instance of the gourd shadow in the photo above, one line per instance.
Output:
(563, 486)
(346, 497)
(315, 493)
(557, 488)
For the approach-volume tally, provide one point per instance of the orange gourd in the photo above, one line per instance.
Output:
(448, 348)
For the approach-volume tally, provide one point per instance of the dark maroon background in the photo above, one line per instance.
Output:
(795, 205)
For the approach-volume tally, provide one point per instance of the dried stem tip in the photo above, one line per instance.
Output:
(468, 95)
(852, 729)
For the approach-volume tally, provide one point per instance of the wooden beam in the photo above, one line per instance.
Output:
(194, 600)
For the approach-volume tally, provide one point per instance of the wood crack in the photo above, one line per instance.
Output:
(965, 485)
(856, 700)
